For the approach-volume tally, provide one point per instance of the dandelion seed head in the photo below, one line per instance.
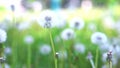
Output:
(98, 38)
(89, 56)
(7, 50)
(77, 23)
(45, 49)
(79, 48)
(67, 34)
(29, 39)
(48, 19)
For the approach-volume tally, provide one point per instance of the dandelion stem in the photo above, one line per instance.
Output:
(53, 49)
(96, 59)
(92, 63)
(29, 56)
(14, 43)
(3, 65)
(110, 64)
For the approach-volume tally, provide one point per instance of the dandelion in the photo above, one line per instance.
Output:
(67, 34)
(7, 50)
(89, 57)
(77, 23)
(3, 36)
(47, 19)
(29, 39)
(79, 48)
(98, 38)
(45, 49)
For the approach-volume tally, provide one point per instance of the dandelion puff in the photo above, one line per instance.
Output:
(67, 34)
(3, 36)
(47, 19)
(7, 50)
(77, 23)
(29, 39)
(89, 57)
(79, 48)
(45, 49)
(98, 38)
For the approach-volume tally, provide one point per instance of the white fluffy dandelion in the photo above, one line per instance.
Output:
(48, 19)
(29, 39)
(3, 36)
(45, 49)
(77, 23)
(79, 48)
(67, 34)
(7, 50)
(98, 38)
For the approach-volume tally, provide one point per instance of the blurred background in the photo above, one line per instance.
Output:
(85, 31)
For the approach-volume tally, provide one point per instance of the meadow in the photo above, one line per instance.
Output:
(61, 39)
